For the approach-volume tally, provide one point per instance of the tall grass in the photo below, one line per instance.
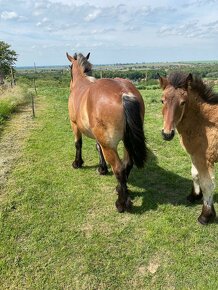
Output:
(11, 99)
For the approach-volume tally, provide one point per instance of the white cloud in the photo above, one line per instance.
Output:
(93, 15)
(8, 15)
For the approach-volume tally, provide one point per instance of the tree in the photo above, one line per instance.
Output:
(8, 57)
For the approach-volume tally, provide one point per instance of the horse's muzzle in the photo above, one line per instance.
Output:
(168, 136)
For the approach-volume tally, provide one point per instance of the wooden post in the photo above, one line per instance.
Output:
(33, 101)
(101, 74)
(34, 81)
(12, 78)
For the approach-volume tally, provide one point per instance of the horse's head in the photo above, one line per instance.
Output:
(174, 100)
(81, 60)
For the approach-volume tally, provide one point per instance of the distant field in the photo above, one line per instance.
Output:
(127, 65)
(60, 228)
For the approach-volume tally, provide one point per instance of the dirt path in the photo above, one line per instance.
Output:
(12, 140)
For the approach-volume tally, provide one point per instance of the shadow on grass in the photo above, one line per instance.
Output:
(96, 169)
(159, 187)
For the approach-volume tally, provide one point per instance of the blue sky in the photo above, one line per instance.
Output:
(114, 31)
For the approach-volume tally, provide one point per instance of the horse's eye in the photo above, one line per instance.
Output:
(162, 101)
(182, 103)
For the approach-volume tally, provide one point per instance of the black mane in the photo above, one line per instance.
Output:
(179, 80)
(205, 91)
(84, 63)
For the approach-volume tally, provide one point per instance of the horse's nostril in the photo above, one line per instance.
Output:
(168, 136)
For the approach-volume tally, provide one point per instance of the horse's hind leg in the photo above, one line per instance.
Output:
(102, 168)
(128, 163)
(77, 163)
(196, 192)
(123, 202)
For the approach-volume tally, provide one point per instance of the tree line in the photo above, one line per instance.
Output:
(8, 57)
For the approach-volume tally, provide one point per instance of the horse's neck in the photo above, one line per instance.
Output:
(197, 113)
(192, 115)
(77, 75)
(79, 84)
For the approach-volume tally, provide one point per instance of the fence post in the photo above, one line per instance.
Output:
(34, 83)
(12, 77)
(34, 80)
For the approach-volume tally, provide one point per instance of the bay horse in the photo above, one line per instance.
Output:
(191, 107)
(107, 110)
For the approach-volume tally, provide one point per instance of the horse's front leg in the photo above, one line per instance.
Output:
(102, 168)
(77, 163)
(123, 202)
(196, 192)
(207, 184)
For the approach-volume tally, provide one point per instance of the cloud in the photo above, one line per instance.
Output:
(8, 15)
(93, 15)
(193, 29)
(42, 22)
(199, 3)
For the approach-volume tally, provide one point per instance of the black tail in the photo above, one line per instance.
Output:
(134, 138)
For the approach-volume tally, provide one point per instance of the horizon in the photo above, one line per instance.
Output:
(127, 63)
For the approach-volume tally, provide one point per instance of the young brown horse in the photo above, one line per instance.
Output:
(192, 107)
(107, 110)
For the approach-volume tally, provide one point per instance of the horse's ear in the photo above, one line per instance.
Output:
(88, 55)
(189, 80)
(69, 57)
(163, 81)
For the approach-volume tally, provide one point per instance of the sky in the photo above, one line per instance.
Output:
(114, 31)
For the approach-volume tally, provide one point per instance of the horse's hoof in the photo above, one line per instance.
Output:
(102, 170)
(207, 215)
(120, 207)
(126, 206)
(77, 164)
(192, 197)
(118, 188)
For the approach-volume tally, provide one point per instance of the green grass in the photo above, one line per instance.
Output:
(60, 229)
(11, 99)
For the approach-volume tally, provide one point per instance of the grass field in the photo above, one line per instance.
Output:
(60, 229)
